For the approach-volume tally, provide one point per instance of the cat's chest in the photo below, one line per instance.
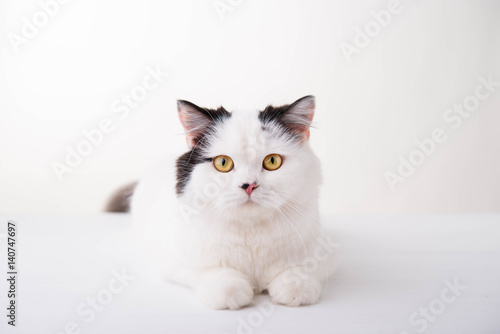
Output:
(259, 256)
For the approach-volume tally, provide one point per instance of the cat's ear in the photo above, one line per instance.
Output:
(199, 121)
(300, 114)
(194, 119)
(295, 118)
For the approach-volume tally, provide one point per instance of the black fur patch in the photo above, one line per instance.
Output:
(185, 166)
(186, 163)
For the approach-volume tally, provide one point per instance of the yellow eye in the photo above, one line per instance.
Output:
(272, 162)
(223, 163)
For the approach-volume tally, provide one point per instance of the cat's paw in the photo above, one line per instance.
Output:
(225, 289)
(294, 291)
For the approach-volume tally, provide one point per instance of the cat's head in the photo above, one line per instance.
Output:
(247, 162)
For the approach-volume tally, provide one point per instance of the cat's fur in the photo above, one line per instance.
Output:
(206, 232)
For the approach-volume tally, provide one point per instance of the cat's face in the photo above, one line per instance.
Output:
(247, 161)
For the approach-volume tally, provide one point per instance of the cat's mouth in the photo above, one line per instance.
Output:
(250, 202)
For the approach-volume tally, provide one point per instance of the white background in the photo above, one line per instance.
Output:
(369, 111)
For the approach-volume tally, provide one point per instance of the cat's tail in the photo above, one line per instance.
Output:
(120, 199)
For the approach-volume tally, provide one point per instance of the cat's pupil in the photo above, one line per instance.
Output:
(272, 160)
(223, 162)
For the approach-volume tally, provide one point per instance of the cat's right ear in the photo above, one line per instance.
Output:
(194, 119)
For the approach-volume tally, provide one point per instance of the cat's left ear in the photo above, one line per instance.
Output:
(299, 115)
(198, 121)
(194, 119)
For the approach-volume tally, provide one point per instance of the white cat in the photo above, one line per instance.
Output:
(241, 216)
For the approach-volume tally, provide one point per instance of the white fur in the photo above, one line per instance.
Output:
(227, 249)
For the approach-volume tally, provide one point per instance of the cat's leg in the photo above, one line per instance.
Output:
(295, 287)
(224, 288)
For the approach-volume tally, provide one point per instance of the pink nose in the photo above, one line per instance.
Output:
(249, 187)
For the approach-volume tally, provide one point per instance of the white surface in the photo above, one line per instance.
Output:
(393, 265)
(370, 111)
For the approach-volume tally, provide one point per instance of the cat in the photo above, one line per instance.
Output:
(241, 215)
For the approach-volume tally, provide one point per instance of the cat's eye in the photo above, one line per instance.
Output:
(223, 163)
(272, 162)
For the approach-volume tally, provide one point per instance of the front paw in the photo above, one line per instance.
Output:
(291, 290)
(225, 289)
